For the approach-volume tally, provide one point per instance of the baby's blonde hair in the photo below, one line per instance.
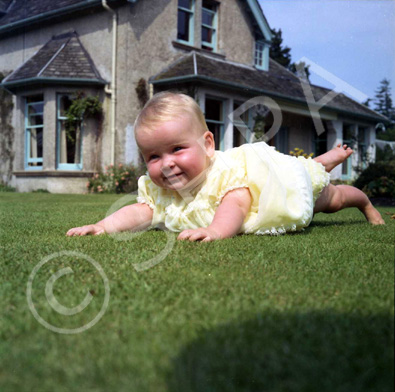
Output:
(167, 106)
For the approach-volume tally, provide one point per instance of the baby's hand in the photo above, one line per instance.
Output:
(203, 234)
(86, 230)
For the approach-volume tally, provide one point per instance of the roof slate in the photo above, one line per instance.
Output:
(4, 4)
(23, 9)
(278, 81)
(62, 57)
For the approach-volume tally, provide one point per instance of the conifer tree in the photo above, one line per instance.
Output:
(277, 52)
(383, 100)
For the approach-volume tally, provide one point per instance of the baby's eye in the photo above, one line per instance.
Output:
(153, 157)
(178, 148)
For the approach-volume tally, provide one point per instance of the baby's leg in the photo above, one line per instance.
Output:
(336, 197)
(334, 157)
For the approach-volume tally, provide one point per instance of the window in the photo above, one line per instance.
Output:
(348, 138)
(320, 142)
(261, 55)
(281, 140)
(34, 128)
(241, 132)
(69, 140)
(209, 25)
(185, 21)
(362, 148)
(215, 120)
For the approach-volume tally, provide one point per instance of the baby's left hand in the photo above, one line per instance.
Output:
(203, 234)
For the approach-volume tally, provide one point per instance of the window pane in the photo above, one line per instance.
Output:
(207, 17)
(64, 104)
(185, 4)
(210, 5)
(35, 108)
(207, 35)
(183, 25)
(213, 109)
(36, 143)
(244, 116)
(216, 130)
(70, 144)
(35, 120)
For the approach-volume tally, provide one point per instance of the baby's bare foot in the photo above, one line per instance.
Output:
(373, 216)
(334, 157)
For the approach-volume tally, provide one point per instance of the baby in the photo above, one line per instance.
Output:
(208, 195)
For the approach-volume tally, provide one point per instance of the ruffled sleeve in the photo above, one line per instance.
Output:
(228, 173)
(147, 191)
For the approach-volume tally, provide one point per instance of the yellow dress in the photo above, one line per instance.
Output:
(283, 189)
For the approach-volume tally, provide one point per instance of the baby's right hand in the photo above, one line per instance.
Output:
(86, 230)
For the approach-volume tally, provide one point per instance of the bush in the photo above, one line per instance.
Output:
(378, 180)
(6, 188)
(116, 179)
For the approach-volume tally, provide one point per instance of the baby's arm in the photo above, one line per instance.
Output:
(135, 217)
(228, 218)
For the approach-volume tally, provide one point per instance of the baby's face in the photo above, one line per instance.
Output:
(176, 152)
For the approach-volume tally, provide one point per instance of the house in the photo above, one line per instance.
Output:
(120, 51)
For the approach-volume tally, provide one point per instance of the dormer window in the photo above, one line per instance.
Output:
(261, 55)
(186, 9)
(209, 25)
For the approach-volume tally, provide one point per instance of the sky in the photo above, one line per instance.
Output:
(352, 41)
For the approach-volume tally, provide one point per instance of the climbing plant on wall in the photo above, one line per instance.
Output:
(7, 133)
(81, 107)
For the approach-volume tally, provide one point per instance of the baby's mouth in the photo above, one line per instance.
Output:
(173, 177)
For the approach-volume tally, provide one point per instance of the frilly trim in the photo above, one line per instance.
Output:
(231, 188)
(280, 230)
(142, 200)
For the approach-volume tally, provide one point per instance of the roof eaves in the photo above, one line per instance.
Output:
(50, 15)
(51, 81)
(260, 19)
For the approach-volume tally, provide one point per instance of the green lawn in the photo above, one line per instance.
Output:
(312, 311)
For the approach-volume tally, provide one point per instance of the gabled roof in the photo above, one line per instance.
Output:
(278, 82)
(61, 60)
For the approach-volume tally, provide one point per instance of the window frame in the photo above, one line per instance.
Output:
(261, 49)
(347, 164)
(28, 128)
(59, 119)
(204, 44)
(191, 31)
(362, 147)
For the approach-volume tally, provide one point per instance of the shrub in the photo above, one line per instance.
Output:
(378, 179)
(6, 188)
(382, 187)
(116, 179)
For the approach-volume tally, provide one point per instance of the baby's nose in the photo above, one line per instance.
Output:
(167, 164)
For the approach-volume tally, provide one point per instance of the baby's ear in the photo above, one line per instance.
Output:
(209, 143)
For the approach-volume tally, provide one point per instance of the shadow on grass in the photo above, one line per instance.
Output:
(336, 223)
(316, 351)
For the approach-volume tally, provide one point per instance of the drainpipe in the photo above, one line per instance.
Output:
(112, 88)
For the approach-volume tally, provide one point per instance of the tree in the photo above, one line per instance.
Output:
(278, 53)
(383, 101)
(282, 55)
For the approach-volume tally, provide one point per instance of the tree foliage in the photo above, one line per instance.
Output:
(282, 55)
(383, 100)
